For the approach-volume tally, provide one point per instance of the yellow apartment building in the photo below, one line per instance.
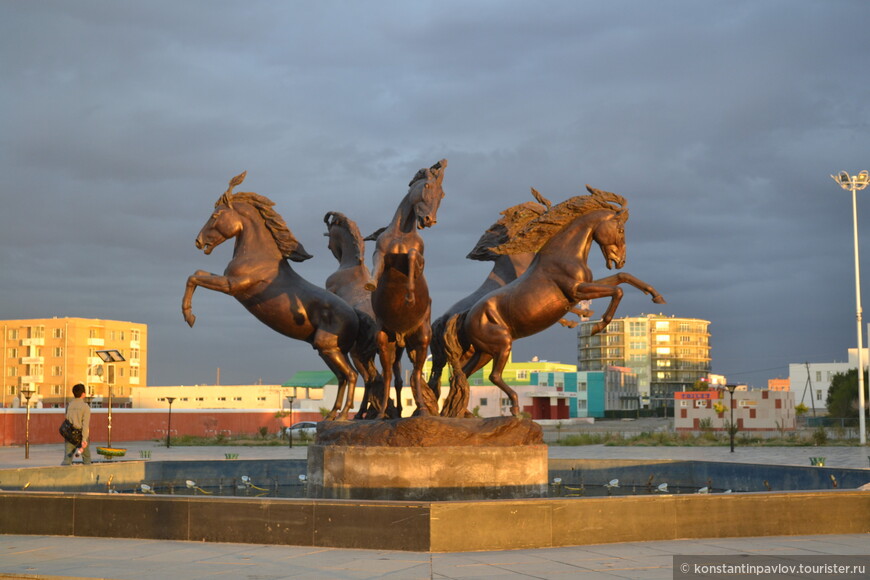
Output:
(50, 355)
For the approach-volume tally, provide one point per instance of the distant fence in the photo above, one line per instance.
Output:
(145, 424)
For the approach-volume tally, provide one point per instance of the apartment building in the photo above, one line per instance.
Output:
(668, 354)
(50, 355)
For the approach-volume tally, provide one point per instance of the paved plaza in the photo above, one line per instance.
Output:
(126, 559)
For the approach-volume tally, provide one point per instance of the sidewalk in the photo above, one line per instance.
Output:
(71, 558)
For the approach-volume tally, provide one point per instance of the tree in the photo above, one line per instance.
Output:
(842, 398)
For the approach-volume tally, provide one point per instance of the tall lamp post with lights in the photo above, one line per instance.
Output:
(169, 400)
(856, 183)
(27, 391)
(291, 400)
(109, 357)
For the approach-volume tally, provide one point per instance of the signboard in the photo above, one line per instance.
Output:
(681, 395)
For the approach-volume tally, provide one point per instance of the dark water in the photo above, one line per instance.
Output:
(299, 490)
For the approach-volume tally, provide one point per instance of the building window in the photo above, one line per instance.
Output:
(483, 402)
(183, 398)
(237, 398)
(13, 371)
(93, 333)
(58, 351)
(56, 389)
(134, 335)
(222, 398)
(200, 398)
(56, 371)
(36, 332)
(134, 354)
(261, 398)
(522, 375)
(818, 376)
(134, 372)
(12, 390)
(818, 394)
(636, 328)
(582, 387)
(57, 333)
(12, 334)
(13, 353)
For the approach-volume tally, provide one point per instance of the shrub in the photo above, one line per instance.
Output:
(820, 436)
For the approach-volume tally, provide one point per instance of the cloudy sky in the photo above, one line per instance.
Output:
(720, 122)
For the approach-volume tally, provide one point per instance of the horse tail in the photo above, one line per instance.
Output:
(365, 346)
(439, 354)
(456, 403)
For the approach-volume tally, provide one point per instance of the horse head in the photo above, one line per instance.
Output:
(610, 236)
(610, 232)
(224, 222)
(425, 194)
(232, 211)
(344, 237)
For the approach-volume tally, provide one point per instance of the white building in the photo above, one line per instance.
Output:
(809, 382)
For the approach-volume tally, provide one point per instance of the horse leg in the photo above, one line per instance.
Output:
(364, 370)
(415, 267)
(338, 362)
(417, 346)
(499, 360)
(398, 383)
(377, 267)
(592, 290)
(206, 280)
(387, 355)
(626, 278)
(489, 333)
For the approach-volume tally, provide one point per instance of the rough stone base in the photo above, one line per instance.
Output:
(427, 473)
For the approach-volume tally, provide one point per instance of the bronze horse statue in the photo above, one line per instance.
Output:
(260, 277)
(400, 297)
(348, 282)
(506, 268)
(557, 279)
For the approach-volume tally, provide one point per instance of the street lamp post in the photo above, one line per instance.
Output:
(856, 183)
(110, 356)
(731, 429)
(291, 400)
(27, 391)
(169, 400)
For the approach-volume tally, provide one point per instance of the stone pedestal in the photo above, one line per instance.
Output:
(428, 458)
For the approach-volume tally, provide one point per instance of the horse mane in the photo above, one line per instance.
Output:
(513, 220)
(540, 230)
(335, 218)
(289, 246)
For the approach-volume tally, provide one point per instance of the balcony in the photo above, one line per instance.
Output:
(32, 342)
(96, 342)
(32, 360)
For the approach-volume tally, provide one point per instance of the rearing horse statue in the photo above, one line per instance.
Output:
(557, 279)
(505, 269)
(348, 282)
(400, 297)
(260, 277)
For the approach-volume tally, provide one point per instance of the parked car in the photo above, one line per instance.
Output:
(307, 428)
